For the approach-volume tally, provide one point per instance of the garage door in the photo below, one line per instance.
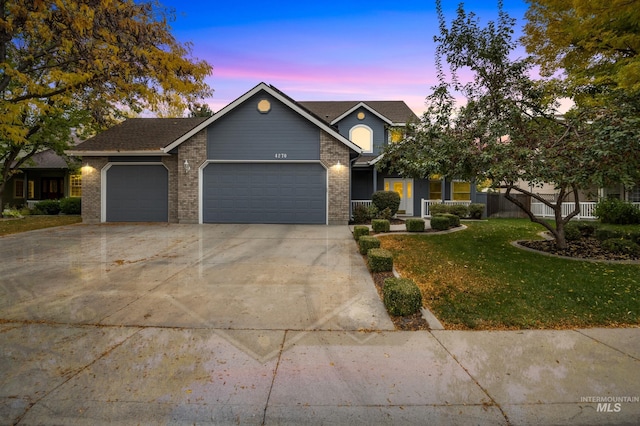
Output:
(137, 193)
(264, 193)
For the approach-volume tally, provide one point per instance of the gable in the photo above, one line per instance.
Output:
(276, 132)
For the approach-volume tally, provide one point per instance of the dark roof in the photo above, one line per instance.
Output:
(45, 160)
(140, 134)
(395, 111)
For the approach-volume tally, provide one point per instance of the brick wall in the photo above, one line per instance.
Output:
(91, 189)
(194, 151)
(171, 163)
(332, 151)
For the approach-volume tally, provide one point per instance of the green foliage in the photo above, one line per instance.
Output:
(435, 209)
(454, 220)
(459, 210)
(364, 214)
(385, 214)
(415, 225)
(71, 205)
(587, 229)
(11, 213)
(572, 232)
(476, 210)
(440, 223)
(48, 207)
(359, 231)
(401, 296)
(379, 260)
(603, 234)
(380, 225)
(621, 246)
(367, 242)
(386, 200)
(616, 211)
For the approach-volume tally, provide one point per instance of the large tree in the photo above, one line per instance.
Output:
(76, 64)
(500, 125)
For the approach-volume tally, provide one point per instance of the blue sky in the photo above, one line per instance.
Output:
(330, 50)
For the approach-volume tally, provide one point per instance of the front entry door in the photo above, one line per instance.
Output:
(52, 188)
(404, 188)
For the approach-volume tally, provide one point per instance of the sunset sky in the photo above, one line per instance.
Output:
(329, 50)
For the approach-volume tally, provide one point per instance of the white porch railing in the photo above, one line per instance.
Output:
(426, 204)
(587, 209)
(358, 203)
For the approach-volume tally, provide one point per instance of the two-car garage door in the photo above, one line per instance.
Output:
(264, 193)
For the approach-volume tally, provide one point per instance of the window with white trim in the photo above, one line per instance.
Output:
(362, 136)
(75, 183)
(18, 188)
(461, 191)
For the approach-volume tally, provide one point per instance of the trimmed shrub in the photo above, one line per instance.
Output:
(11, 213)
(617, 211)
(48, 207)
(454, 220)
(476, 210)
(587, 229)
(367, 242)
(459, 210)
(385, 214)
(386, 200)
(440, 223)
(572, 232)
(380, 225)
(71, 205)
(435, 209)
(621, 246)
(359, 231)
(401, 296)
(415, 225)
(379, 260)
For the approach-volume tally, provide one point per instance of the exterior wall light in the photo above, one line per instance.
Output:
(187, 167)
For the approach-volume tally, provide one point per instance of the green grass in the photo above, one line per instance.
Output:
(30, 223)
(475, 279)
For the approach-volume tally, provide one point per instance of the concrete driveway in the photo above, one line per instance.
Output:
(268, 277)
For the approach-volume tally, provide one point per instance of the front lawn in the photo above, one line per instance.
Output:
(29, 223)
(475, 279)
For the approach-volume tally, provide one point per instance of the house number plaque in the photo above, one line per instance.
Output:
(281, 155)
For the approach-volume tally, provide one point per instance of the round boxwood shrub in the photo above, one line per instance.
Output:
(71, 205)
(459, 210)
(454, 220)
(366, 242)
(386, 200)
(435, 209)
(48, 207)
(415, 225)
(380, 225)
(401, 296)
(359, 231)
(379, 260)
(572, 232)
(440, 223)
(476, 210)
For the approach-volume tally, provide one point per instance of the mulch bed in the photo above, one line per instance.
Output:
(586, 248)
(407, 323)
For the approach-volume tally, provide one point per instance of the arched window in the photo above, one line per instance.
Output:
(362, 136)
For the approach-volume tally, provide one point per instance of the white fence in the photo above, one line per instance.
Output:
(360, 203)
(587, 209)
(426, 204)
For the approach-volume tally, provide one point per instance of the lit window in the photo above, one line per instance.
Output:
(435, 190)
(31, 189)
(461, 191)
(362, 136)
(76, 185)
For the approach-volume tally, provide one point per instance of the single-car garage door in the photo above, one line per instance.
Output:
(137, 193)
(264, 193)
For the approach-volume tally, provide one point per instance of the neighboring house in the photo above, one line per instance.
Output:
(46, 176)
(264, 158)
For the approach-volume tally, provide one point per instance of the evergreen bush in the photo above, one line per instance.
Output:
(401, 296)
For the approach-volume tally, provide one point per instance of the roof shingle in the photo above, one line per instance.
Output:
(396, 111)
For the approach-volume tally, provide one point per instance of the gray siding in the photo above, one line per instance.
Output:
(371, 120)
(247, 134)
(137, 194)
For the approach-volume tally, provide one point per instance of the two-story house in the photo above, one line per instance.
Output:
(264, 158)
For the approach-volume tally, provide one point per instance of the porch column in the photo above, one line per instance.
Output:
(443, 190)
(375, 180)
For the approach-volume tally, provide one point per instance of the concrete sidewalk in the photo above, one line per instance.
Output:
(73, 374)
(237, 324)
